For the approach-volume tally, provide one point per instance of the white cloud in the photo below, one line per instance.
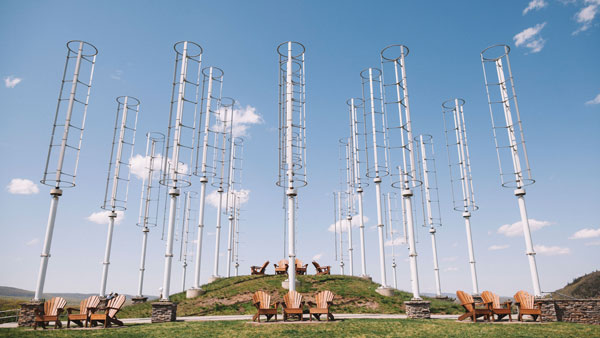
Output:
(595, 100)
(11, 81)
(243, 118)
(516, 229)
(551, 250)
(344, 223)
(139, 165)
(531, 38)
(397, 241)
(116, 75)
(594, 243)
(498, 247)
(455, 244)
(451, 268)
(21, 186)
(101, 217)
(449, 259)
(535, 5)
(586, 233)
(33, 242)
(317, 256)
(212, 198)
(586, 15)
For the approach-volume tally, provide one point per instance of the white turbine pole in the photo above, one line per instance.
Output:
(67, 142)
(390, 222)
(339, 204)
(514, 146)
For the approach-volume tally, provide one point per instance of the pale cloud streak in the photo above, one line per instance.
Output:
(33, 242)
(344, 223)
(595, 100)
(535, 5)
(101, 217)
(139, 165)
(516, 229)
(551, 250)
(213, 197)
(11, 81)
(21, 186)
(317, 256)
(585, 16)
(586, 233)
(498, 247)
(531, 38)
(396, 241)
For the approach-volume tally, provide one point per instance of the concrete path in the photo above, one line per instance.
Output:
(249, 318)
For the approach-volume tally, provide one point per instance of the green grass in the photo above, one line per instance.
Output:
(230, 296)
(348, 328)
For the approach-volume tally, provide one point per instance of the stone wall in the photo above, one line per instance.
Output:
(27, 313)
(164, 312)
(585, 311)
(138, 300)
(417, 309)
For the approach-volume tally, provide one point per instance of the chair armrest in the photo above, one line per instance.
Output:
(312, 304)
(59, 311)
(71, 309)
(276, 305)
(507, 303)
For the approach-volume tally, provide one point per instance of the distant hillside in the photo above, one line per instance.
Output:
(11, 292)
(586, 286)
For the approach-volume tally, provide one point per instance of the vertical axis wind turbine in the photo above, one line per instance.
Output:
(357, 129)
(150, 195)
(513, 148)
(188, 210)
(237, 209)
(115, 196)
(233, 190)
(64, 147)
(180, 139)
(223, 148)
(431, 200)
(395, 90)
(292, 136)
(376, 147)
(212, 84)
(462, 164)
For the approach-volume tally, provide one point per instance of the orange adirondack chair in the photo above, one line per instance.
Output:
(527, 306)
(467, 302)
(85, 309)
(322, 270)
(300, 268)
(52, 310)
(492, 301)
(109, 314)
(292, 305)
(262, 301)
(281, 267)
(323, 301)
(259, 270)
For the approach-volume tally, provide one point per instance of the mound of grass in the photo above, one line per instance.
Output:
(231, 296)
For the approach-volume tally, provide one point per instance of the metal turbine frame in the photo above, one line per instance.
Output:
(150, 196)
(233, 190)
(514, 146)
(188, 56)
(190, 196)
(463, 164)
(396, 100)
(292, 136)
(66, 145)
(430, 198)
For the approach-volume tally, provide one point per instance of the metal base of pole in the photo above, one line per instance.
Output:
(193, 293)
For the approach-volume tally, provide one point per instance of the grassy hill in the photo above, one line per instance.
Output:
(233, 295)
(586, 286)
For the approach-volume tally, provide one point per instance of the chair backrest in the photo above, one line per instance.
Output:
(298, 263)
(490, 297)
(317, 266)
(282, 263)
(466, 300)
(90, 302)
(293, 300)
(115, 303)
(262, 298)
(262, 269)
(525, 300)
(52, 306)
(323, 298)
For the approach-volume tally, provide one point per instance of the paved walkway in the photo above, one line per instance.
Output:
(249, 318)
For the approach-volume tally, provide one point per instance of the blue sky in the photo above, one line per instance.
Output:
(556, 76)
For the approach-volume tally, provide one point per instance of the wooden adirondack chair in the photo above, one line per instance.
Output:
(109, 314)
(300, 268)
(262, 301)
(492, 301)
(85, 309)
(281, 267)
(323, 301)
(292, 305)
(52, 310)
(466, 300)
(259, 270)
(322, 270)
(527, 306)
